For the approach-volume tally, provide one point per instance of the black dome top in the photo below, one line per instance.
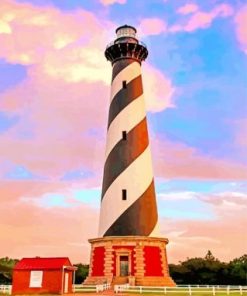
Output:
(126, 26)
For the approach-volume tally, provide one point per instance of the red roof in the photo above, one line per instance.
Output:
(42, 263)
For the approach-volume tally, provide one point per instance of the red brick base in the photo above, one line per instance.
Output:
(146, 256)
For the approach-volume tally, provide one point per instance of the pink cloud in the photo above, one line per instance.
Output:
(187, 8)
(224, 235)
(56, 104)
(240, 133)
(158, 89)
(66, 91)
(51, 37)
(110, 2)
(54, 108)
(5, 28)
(201, 19)
(52, 134)
(174, 159)
(10, 193)
(198, 21)
(235, 200)
(152, 26)
(52, 117)
(29, 230)
(241, 27)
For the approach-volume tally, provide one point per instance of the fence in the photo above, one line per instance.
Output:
(189, 289)
(90, 288)
(5, 289)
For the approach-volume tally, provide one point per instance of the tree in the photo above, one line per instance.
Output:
(81, 273)
(6, 268)
(209, 256)
(238, 270)
(201, 271)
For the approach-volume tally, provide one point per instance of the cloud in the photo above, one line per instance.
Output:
(224, 235)
(233, 199)
(176, 160)
(240, 133)
(158, 89)
(110, 2)
(63, 102)
(67, 77)
(53, 133)
(201, 19)
(241, 27)
(81, 65)
(5, 28)
(63, 109)
(12, 190)
(151, 26)
(51, 38)
(197, 19)
(62, 126)
(187, 8)
(31, 230)
(228, 200)
(181, 195)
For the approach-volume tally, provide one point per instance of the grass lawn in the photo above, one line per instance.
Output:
(185, 294)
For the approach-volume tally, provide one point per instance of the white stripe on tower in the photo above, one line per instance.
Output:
(125, 121)
(112, 205)
(131, 114)
(127, 74)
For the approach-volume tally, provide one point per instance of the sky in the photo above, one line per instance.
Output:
(54, 99)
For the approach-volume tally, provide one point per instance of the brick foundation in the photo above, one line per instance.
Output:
(147, 261)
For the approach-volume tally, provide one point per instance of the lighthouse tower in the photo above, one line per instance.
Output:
(129, 248)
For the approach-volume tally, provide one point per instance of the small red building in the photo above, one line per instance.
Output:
(43, 275)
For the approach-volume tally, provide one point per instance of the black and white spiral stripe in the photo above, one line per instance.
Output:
(128, 163)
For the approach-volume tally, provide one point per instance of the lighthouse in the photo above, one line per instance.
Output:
(128, 248)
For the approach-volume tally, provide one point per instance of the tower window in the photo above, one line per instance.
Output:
(124, 194)
(124, 84)
(124, 135)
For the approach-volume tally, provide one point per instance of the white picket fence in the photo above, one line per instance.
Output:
(189, 289)
(5, 289)
(90, 288)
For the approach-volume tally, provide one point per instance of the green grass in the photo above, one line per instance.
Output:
(85, 292)
(194, 293)
(185, 294)
(184, 291)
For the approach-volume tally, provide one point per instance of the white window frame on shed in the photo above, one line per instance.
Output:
(36, 277)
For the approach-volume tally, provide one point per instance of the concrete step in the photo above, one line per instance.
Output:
(119, 280)
(155, 281)
(94, 280)
(108, 292)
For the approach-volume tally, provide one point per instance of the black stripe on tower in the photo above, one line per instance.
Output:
(124, 97)
(124, 153)
(119, 66)
(139, 219)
